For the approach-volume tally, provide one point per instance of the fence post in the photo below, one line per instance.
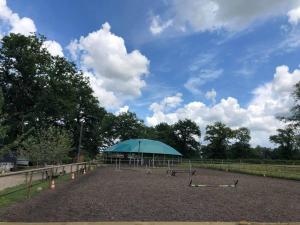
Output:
(29, 185)
(26, 178)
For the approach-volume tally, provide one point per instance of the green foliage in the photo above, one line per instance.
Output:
(49, 146)
(288, 142)
(187, 135)
(218, 137)
(128, 126)
(241, 148)
(3, 129)
(40, 90)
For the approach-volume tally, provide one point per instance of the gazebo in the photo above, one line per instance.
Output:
(141, 149)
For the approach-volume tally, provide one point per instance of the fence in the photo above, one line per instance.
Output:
(288, 171)
(24, 180)
(143, 162)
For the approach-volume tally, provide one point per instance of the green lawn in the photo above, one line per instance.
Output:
(279, 171)
(20, 193)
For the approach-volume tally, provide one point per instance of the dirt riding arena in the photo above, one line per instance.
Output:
(134, 195)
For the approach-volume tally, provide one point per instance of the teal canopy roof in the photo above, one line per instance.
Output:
(142, 146)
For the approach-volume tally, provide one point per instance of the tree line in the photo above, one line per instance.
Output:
(46, 102)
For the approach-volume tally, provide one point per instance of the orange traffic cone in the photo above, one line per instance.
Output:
(73, 176)
(52, 184)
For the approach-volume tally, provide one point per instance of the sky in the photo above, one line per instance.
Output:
(234, 61)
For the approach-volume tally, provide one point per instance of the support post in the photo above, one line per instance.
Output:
(29, 185)
(153, 160)
(79, 141)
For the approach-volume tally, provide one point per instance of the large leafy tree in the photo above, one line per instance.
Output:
(40, 90)
(218, 137)
(294, 116)
(128, 126)
(165, 133)
(187, 135)
(288, 142)
(241, 148)
(23, 67)
(3, 129)
(49, 146)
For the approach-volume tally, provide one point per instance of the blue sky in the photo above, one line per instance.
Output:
(168, 60)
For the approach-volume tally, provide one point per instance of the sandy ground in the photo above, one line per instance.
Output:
(133, 195)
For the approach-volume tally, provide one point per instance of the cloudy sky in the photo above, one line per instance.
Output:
(234, 61)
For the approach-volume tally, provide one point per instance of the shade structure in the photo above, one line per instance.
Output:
(142, 146)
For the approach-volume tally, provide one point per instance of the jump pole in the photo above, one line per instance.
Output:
(214, 185)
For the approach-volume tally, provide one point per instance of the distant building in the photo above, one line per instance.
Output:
(7, 163)
(11, 162)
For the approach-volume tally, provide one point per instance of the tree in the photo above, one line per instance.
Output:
(187, 135)
(165, 133)
(294, 116)
(241, 148)
(218, 137)
(23, 65)
(288, 142)
(128, 126)
(40, 90)
(49, 146)
(3, 129)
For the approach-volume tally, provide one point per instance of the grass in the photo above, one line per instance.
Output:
(19, 193)
(291, 172)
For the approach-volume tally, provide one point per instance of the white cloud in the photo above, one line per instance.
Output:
(269, 101)
(195, 82)
(211, 95)
(123, 109)
(167, 103)
(115, 70)
(54, 48)
(157, 26)
(107, 98)
(232, 15)
(294, 16)
(13, 22)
